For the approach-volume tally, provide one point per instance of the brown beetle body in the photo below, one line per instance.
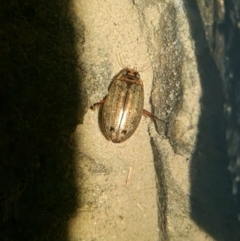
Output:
(123, 106)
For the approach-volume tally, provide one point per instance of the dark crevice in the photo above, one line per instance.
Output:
(213, 207)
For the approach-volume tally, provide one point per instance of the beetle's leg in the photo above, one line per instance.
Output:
(93, 107)
(149, 114)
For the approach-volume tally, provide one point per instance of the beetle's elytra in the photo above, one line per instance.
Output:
(122, 108)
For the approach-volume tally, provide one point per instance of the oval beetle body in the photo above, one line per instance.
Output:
(122, 108)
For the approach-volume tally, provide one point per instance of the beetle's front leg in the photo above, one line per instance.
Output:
(93, 107)
(149, 114)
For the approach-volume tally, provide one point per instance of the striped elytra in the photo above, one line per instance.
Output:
(123, 106)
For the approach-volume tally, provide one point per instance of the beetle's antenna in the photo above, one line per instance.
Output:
(119, 60)
(145, 68)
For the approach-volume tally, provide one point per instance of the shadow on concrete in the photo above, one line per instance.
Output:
(213, 206)
(40, 104)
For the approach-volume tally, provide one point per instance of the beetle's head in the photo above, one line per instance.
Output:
(130, 74)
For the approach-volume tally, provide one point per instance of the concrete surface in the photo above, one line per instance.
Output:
(61, 179)
(143, 189)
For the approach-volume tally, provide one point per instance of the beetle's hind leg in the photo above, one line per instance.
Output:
(94, 106)
(149, 114)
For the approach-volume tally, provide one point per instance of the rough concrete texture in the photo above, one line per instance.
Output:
(139, 189)
(61, 179)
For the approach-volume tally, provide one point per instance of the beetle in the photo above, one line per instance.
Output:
(122, 108)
